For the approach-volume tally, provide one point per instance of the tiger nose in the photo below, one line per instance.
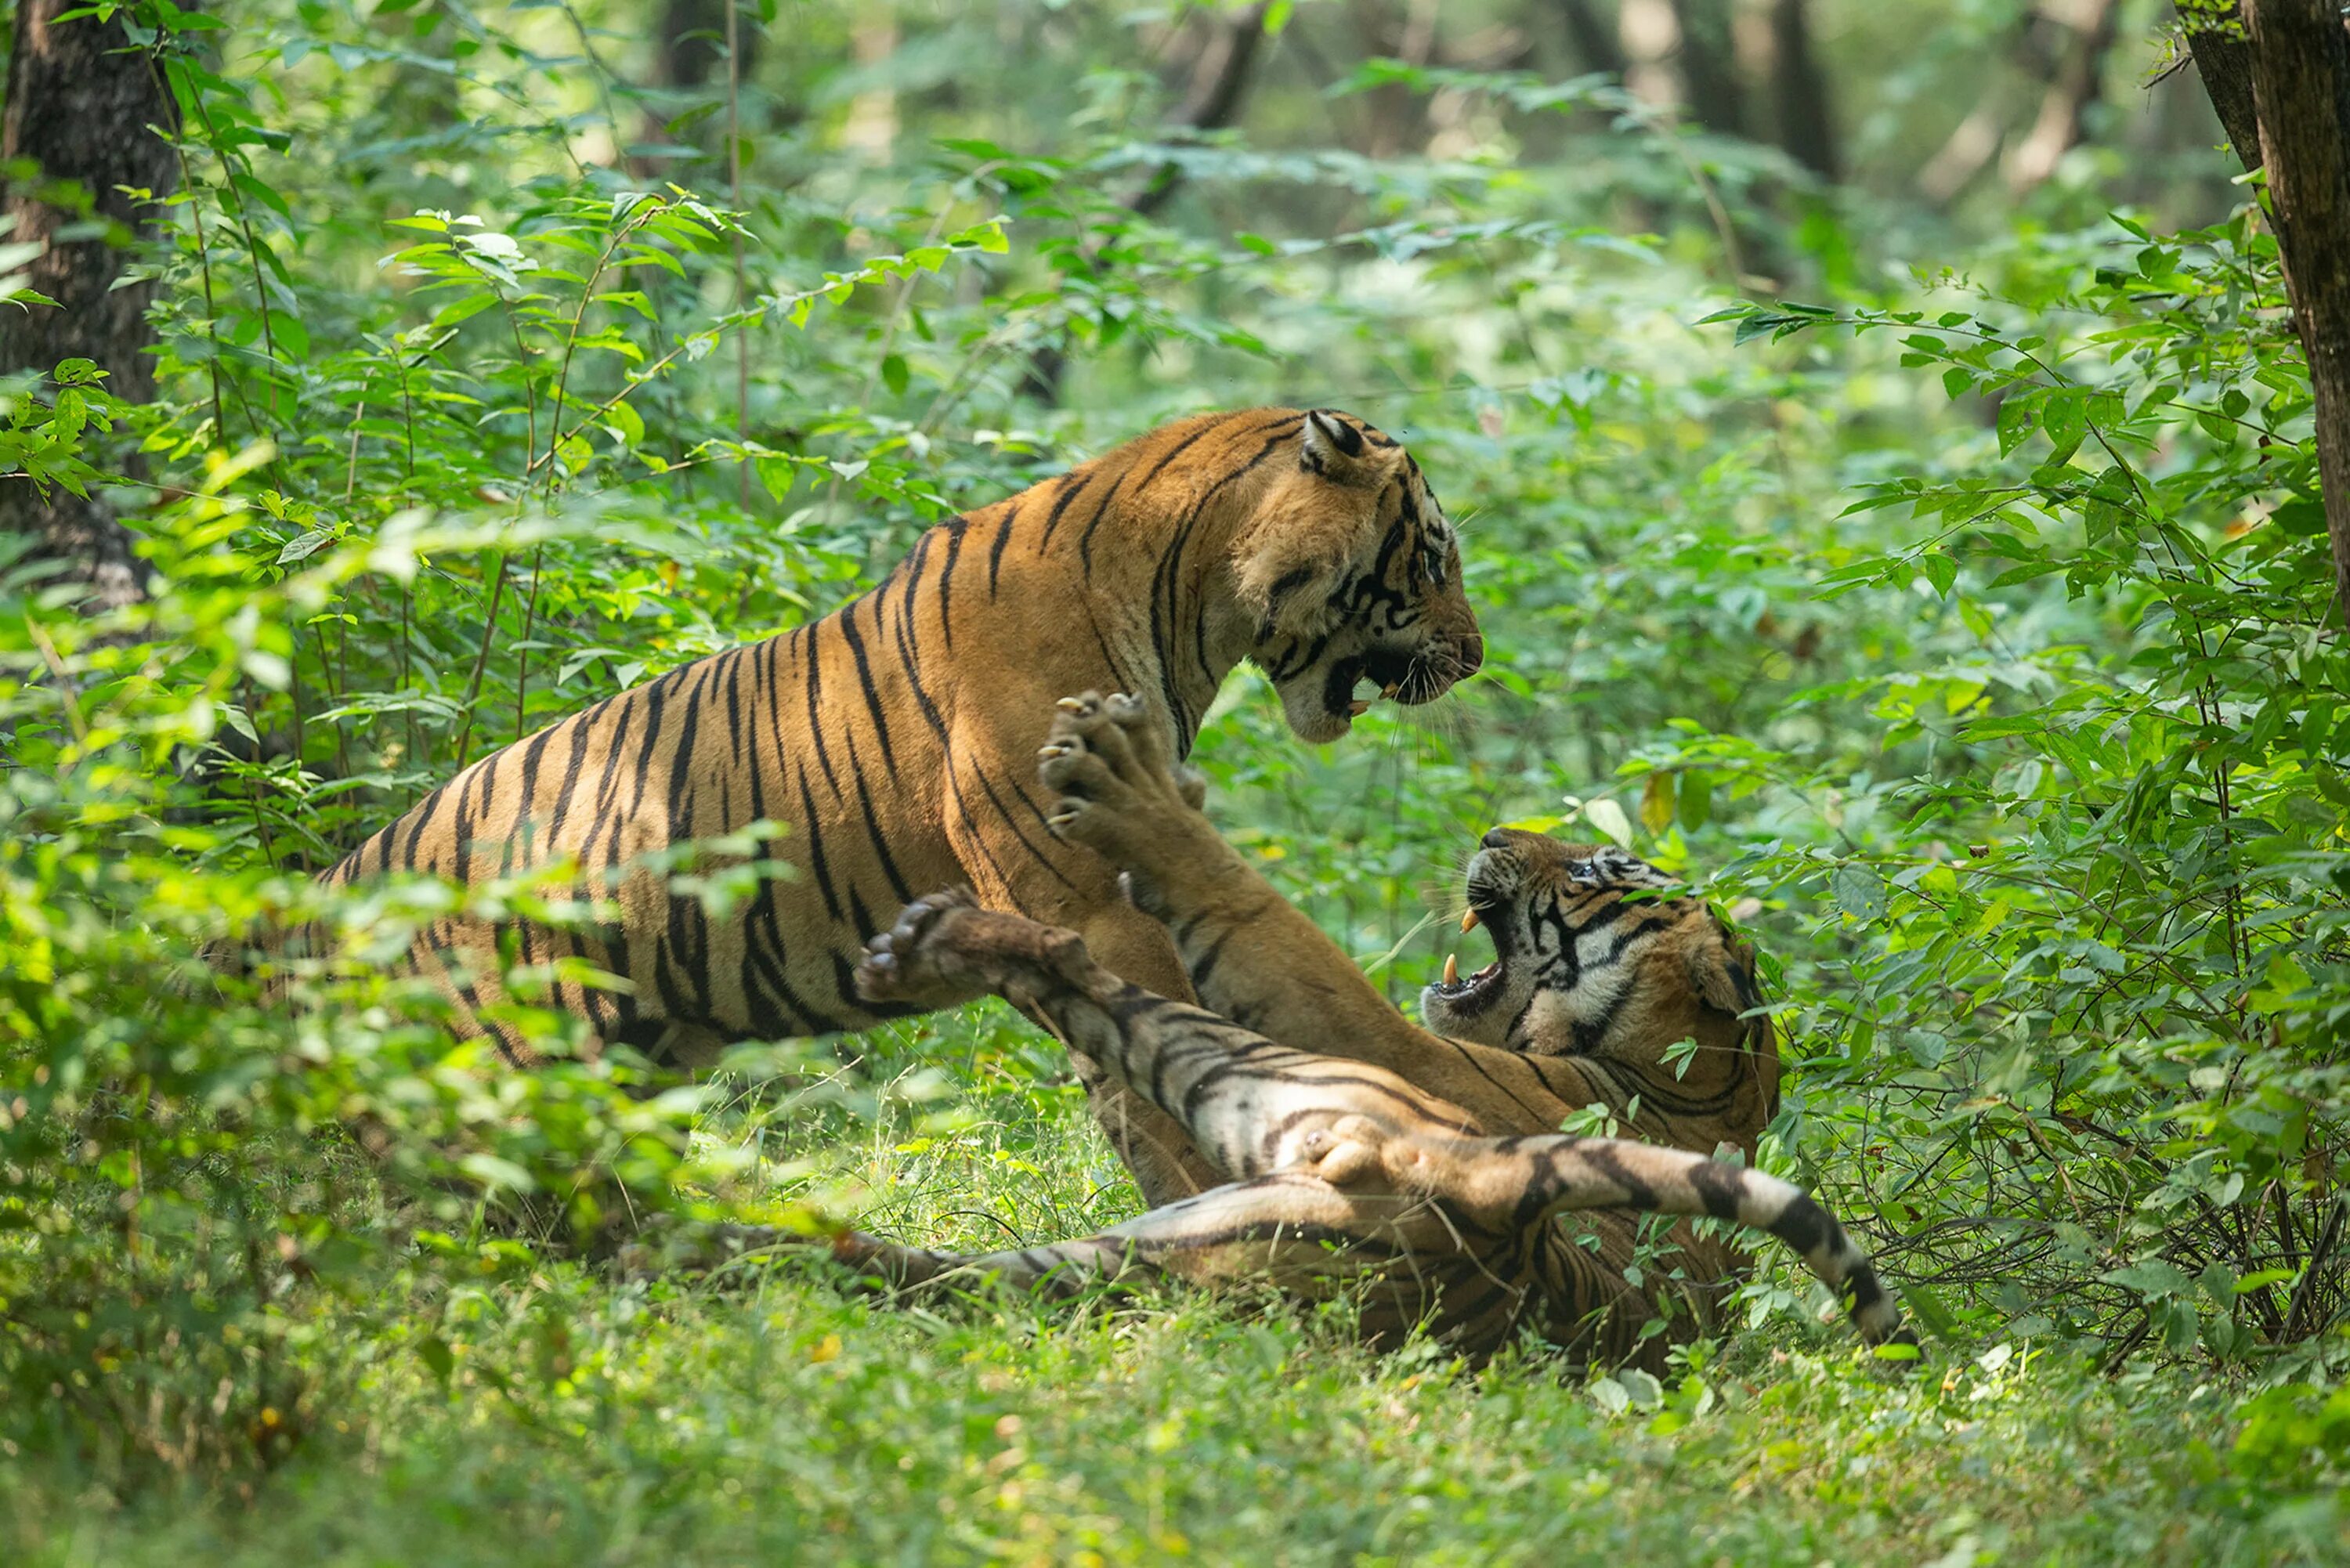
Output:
(1496, 838)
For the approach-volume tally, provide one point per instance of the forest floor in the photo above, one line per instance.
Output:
(552, 1415)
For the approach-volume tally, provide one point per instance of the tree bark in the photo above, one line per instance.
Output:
(2300, 88)
(80, 102)
(2294, 55)
(2223, 58)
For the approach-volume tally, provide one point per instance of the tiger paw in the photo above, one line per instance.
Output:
(1116, 789)
(945, 950)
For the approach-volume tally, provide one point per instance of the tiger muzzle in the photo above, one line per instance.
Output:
(1430, 672)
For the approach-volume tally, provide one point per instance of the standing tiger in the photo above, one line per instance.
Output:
(1427, 1174)
(895, 738)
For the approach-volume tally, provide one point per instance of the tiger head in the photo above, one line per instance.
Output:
(1351, 576)
(1594, 957)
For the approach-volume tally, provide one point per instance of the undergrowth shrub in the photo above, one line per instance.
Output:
(1965, 633)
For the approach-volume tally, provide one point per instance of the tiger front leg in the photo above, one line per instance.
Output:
(1121, 794)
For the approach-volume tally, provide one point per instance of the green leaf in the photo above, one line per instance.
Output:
(893, 374)
(292, 338)
(2066, 420)
(463, 309)
(2019, 416)
(2300, 516)
(306, 547)
(1940, 570)
(266, 195)
(1694, 796)
(1858, 891)
(2152, 1278)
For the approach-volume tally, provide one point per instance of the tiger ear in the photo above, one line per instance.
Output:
(1722, 973)
(1331, 447)
(1290, 555)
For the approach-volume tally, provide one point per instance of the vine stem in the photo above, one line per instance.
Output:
(570, 341)
(481, 659)
(252, 245)
(741, 286)
(204, 253)
(521, 650)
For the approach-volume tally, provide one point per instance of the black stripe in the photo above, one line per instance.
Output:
(1003, 537)
(1071, 482)
(873, 830)
(946, 580)
(1178, 449)
(1086, 540)
(817, 861)
(815, 720)
(865, 669)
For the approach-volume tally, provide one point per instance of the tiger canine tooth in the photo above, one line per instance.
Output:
(1390, 689)
(1468, 919)
(1452, 968)
(1356, 709)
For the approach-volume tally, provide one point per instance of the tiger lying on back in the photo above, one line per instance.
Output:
(1597, 978)
(1341, 1176)
(896, 737)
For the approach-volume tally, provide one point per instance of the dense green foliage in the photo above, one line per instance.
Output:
(1963, 626)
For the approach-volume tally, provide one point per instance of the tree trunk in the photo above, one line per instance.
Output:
(2079, 83)
(1713, 93)
(1800, 93)
(2223, 58)
(1593, 40)
(2298, 58)
(2301, 87)
(1219, 83)
(80, 101)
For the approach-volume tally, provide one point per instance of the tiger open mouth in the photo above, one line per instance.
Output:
(1465, 996)
(1357, 682)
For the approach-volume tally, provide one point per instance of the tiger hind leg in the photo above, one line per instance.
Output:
(1250, 1106)
(945, 950)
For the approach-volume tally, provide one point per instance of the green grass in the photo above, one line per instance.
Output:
(774, 1418)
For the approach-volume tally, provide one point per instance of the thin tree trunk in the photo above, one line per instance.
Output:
(1713, 93)
(1799, 92)
(2079, 84)
(689, 46)
(1398, 115)
(2281, 83)
(2223, 58)
(80, 101)
(1219, 83)
(2300, 88)
(1593, 41)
